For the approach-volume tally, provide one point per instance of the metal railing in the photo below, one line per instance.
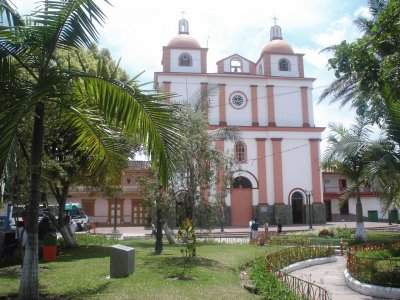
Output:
(374, 270)
(302, 288)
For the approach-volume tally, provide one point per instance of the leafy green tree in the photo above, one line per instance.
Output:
(32, 81)
(367, 70)
(346, 155)
(200, 168)
(367, 75)
(383, 171)
(65, 166)
(159, 207)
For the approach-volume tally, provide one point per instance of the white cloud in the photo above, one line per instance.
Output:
(136, 31)
(342, 29)
(362, 11)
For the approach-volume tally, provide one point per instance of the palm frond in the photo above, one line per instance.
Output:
(16, 103)
(341, 89)
(143, 117)
(104, 148)
(364, 24)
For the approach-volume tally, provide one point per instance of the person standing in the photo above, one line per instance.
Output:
(250, 230)
(279, 227)
(254, 229)
(266, 228)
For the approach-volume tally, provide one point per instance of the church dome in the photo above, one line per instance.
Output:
(183, 41)
(278, 46)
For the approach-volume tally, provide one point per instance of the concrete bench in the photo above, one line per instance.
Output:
(122, 261)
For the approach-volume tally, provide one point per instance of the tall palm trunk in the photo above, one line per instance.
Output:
(360, 229)
(29, 284)
(159, 246)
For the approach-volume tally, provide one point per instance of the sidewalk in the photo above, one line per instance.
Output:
(141, 231)
(330, 277)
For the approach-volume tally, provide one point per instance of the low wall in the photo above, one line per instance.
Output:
(308, 263)
(369, 289)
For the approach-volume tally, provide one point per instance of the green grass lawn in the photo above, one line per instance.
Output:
(382, 236)
(82, 273)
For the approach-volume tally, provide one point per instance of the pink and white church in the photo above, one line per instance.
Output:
(270, 101)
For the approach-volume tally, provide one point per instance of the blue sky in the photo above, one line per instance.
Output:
(136, 31)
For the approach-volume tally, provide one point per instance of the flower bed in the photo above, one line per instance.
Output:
(307, 240)
(288, 256)
(377, 264)
(305, 290)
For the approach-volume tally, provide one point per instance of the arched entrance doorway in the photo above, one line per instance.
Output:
(241, 201)
(297, 207)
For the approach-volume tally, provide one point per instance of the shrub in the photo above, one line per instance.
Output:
(290, 240)
(325, 233)
(395, 251)
(344, 233)
(267, 285)
(188, 242)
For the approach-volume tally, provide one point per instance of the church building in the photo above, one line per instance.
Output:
(270, 101)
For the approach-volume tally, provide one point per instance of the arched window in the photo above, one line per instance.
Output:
(185, 59)
(240, 152)
(284, 65)
(241, 182)
(297, 196)
(236, 65)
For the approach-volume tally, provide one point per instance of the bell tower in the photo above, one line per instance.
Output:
(183, 53)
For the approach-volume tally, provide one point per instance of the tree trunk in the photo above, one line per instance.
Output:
(29, 283)
(65, 230)
(61, 224)
(360, 229)
(158, 247)
(67, 236)
(169, 235)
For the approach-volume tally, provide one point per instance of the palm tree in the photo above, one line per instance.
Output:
(384, 169)
(359, 66)
(384, 173)
(31, 80)
(346, 155)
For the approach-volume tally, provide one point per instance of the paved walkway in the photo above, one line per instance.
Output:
(140, 230)
(330, 276)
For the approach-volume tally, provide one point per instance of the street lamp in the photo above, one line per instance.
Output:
(309, 194)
